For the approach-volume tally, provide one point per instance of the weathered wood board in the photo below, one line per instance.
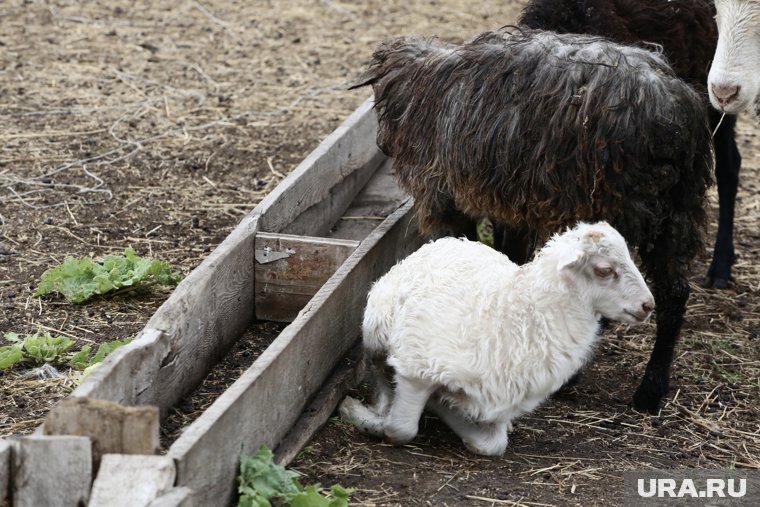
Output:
(5, 470)
(131, 480)
(110, 427)
(344, 377)
(129, 375)
(291, 269)
(51, 471)
(261, 406)
(312, 197)
(378, 199)
(207, 312)
(214, 305)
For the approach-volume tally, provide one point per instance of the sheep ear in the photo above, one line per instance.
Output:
(570, 258)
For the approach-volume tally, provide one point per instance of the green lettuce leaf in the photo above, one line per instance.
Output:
(78, 280)
(44, 348)
(10, 355)
(81, 359)
(262, 483)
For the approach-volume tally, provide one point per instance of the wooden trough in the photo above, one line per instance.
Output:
(307, 255)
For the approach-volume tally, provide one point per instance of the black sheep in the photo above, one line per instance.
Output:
(535, 131)
(687, 32)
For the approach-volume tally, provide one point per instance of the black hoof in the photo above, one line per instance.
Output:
(644, 400)
(716, 282)
(720, 283)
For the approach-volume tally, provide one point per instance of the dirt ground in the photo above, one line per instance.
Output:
(160, 124)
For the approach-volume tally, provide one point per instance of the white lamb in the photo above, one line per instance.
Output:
(481, 341)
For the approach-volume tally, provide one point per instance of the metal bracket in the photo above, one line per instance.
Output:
(267, 255)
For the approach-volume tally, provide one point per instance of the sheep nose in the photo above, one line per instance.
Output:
(725, 93)
(647, 306)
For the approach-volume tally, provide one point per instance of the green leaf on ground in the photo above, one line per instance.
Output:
(10, 355)
(262, 483)
(82, 360)
(40, 348)
(78, 280)
(37, 348)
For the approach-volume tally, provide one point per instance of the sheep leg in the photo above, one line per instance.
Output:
(727, 165)
(370, 419)
(436, 212)
(455, 223)
(517, 244)
(378, 374)
(382, 389)
(487, 439)
(410, 396)
(670, 295)
(364, 418)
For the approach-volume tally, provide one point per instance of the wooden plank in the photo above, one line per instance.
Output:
(131, 480)
(318, 220)
(291, 269)
(378, 199)
(261, 406)
(112, 428)
(205, 314)
(312, 197)
(214, 305)
(175, 497)
(318, 411)
(51, 471)
(5, 471)
(210, 308)
(128, 375)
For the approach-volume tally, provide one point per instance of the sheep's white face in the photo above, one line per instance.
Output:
(602, 269)
(734, 79)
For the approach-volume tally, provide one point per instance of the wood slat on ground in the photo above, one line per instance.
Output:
(291, 269)
(132, 480)
(112, 428)
(51, 470)
(205, 314)
(129, 375)
(343, 378)
(312, 197)
(5, 470)
(262, 405)
(215, 304)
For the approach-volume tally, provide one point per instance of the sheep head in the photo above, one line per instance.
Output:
(594, 260)
(734, 79)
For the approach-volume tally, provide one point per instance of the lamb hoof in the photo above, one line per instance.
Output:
(399, 436)
(350, 409)
(497, 450)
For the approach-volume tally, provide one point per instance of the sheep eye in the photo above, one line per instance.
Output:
(604, 272)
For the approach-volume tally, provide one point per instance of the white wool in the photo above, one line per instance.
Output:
(491, 340)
